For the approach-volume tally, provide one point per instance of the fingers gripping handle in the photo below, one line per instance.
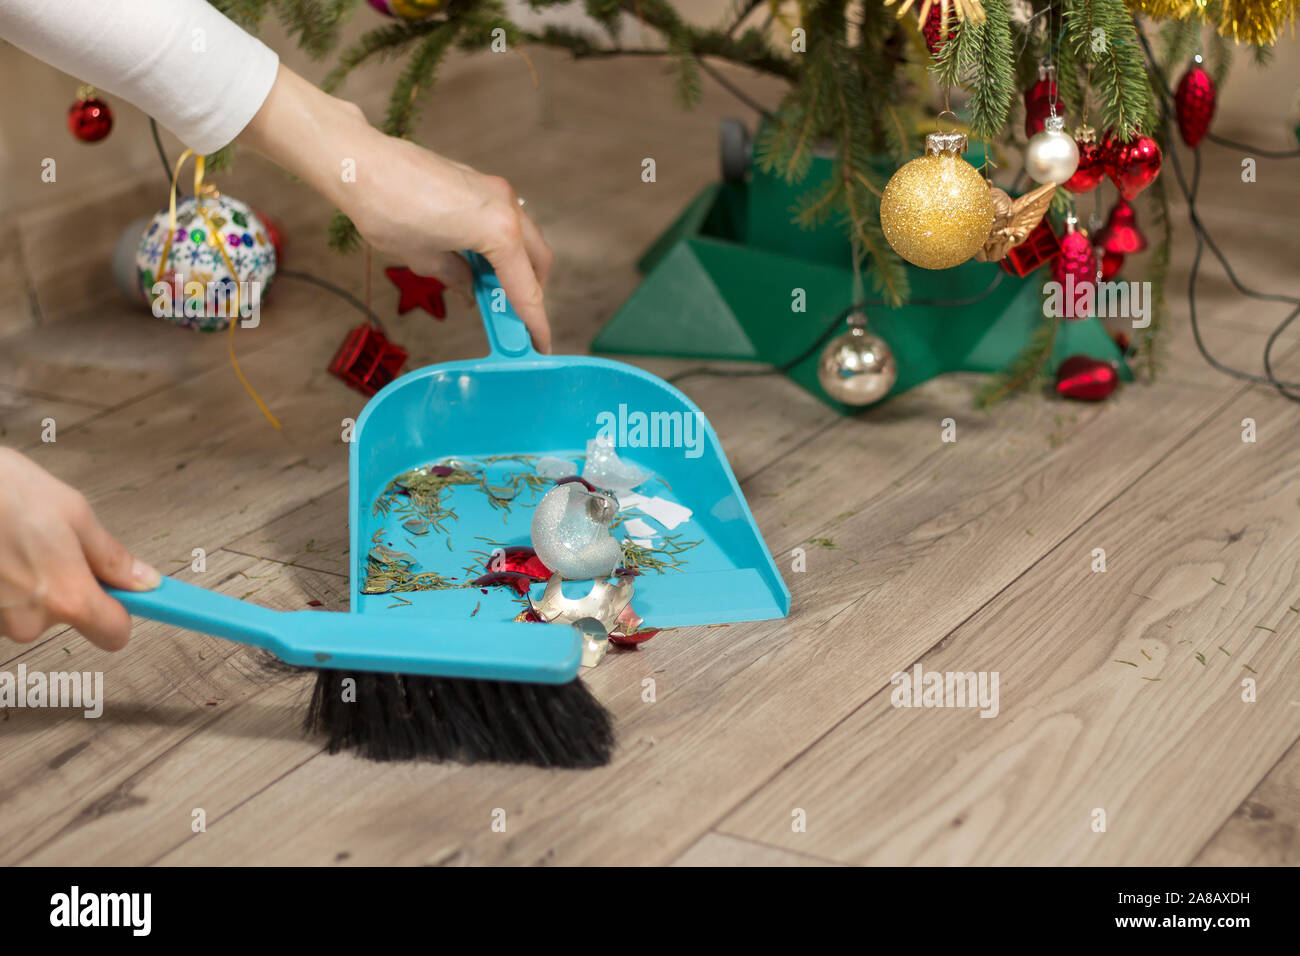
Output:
(507, 335)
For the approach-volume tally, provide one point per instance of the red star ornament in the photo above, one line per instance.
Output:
(420, 291)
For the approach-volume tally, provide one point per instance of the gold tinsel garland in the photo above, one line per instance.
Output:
(1257, 22)
(971, 10)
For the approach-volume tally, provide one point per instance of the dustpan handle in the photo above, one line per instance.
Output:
(506, 333)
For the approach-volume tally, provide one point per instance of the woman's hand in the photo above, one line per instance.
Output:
(52, 551)
(409, 203)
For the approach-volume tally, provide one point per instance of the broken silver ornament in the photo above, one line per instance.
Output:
(570, 531)
(596, 614)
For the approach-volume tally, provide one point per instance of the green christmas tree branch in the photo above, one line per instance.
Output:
(377, 45)
(979, 56)
(249, 14)
(416, 80)
(1102, 35)
(315, 23)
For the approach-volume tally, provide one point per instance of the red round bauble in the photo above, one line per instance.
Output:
(1092, 163)
(1111, 263)
(1194, 103)
(1086, 379)
(1133, 165)
(932, 29)
(90, 119)
(1121, 234)
(1075, 268)
(274, 235)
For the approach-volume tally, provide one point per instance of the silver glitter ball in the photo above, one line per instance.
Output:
(857, 368)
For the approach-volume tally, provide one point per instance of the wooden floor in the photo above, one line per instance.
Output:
(974, 555)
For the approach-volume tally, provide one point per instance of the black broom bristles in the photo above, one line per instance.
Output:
(405, 717)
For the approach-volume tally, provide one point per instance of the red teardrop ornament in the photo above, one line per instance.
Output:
(1194, 104)
(932, 29)
(1075, 269)
(1121, 234)
(1133, 165)
(1086, 379)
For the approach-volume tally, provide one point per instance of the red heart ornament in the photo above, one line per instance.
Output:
(1086, 379)
(1133, 165)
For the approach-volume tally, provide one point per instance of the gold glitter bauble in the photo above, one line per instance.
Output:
(936, 211)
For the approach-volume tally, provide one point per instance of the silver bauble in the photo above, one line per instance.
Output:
(857, 368)
(1052, 155)
(122, 263)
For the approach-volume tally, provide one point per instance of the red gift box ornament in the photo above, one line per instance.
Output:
(1121, 235)
(366, 360)
(1039, 248)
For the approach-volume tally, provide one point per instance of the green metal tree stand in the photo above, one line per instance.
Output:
(722, 280)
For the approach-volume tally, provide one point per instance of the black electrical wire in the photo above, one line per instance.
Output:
(280, 273)
(1203, 239)
(331, 287)
(832, 328)
(162, 153)
(1247, 148)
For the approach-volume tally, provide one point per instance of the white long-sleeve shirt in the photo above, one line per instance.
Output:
(180, 61)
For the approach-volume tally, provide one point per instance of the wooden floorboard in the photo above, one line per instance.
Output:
(1118, 689)
(1265, 829)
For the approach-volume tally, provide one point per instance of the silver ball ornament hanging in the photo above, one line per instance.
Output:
(857, 368)
(122, 262)
(1052, 155)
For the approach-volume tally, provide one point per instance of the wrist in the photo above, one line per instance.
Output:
(317, 137)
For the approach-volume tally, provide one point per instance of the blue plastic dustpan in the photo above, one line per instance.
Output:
(518, 402)
(515, 403)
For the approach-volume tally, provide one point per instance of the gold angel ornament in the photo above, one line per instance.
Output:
(1013, 220)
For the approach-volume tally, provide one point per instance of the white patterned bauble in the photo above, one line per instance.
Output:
(223, 246)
